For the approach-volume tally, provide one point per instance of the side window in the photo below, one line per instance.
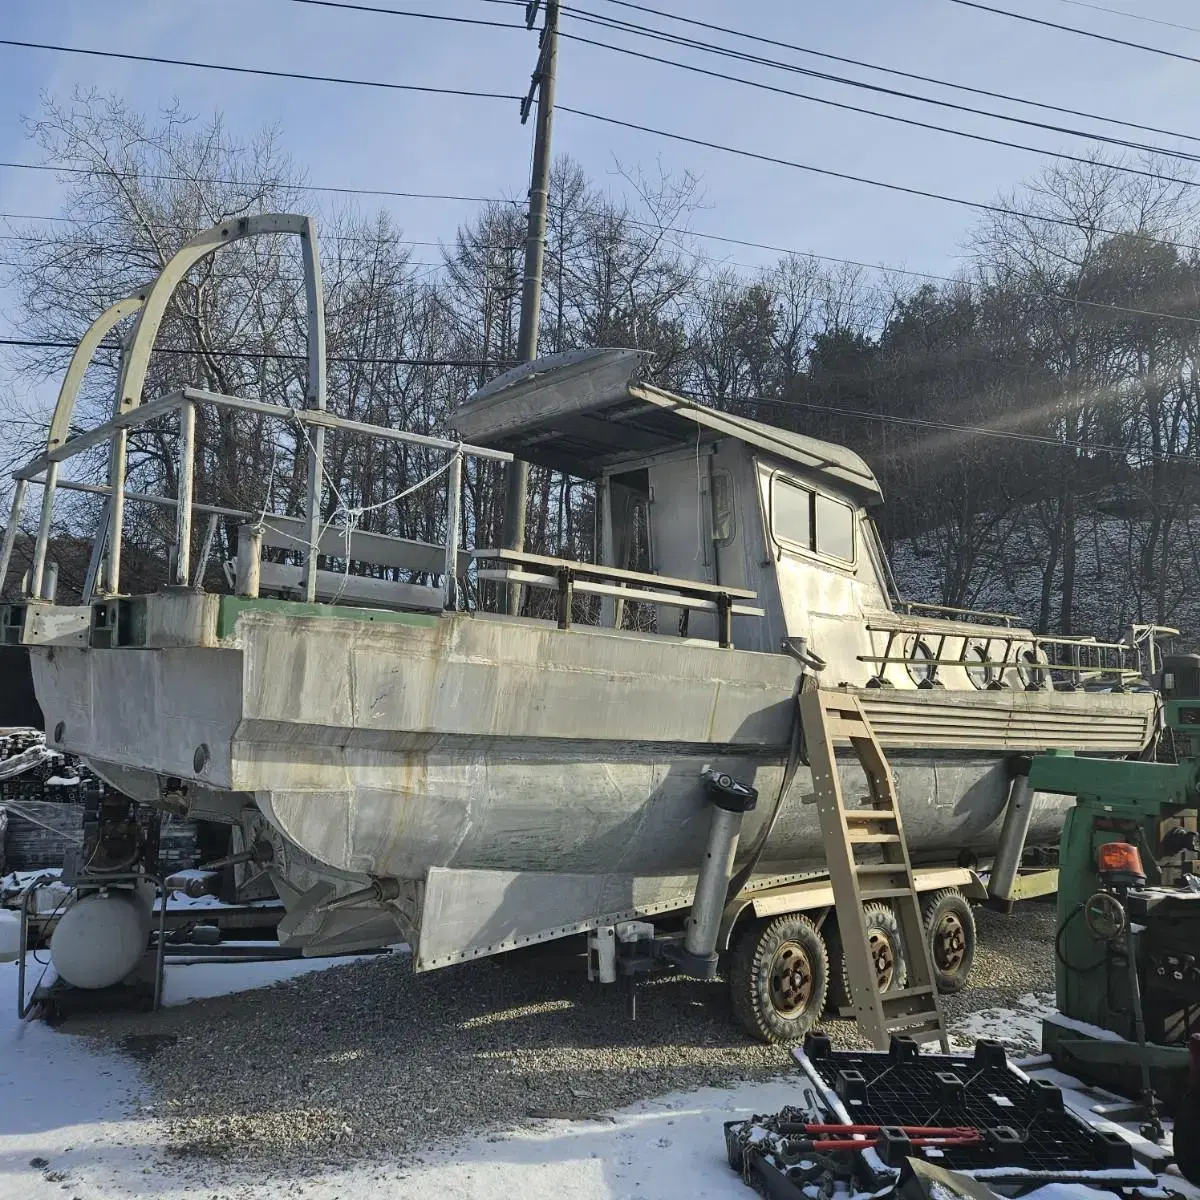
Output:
(724, 527)
(811, 521)
(835, 528)
(791, 513)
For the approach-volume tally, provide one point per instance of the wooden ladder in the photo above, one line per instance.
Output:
(914, 1011)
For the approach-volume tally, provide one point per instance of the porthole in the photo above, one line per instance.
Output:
(979, 672)
(920, 665)
(1032, 669)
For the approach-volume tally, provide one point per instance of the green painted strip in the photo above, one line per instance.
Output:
(232, 607)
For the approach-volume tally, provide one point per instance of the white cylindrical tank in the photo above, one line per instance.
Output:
(100, 938)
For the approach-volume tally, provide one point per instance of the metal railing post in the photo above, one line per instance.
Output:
(38, 567)
(183, 513)
(10, 534)
(249, 563)
(116, 517)
(312, 510)
(453, 531)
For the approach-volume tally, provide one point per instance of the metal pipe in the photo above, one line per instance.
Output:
(183, 514)
(10, 534)
(249, 561)
(116, 516)
(205, 552)
(312, 510)
(50, 590)
(1018, 813)
(453, 532)
(38, 566)
(704, 920)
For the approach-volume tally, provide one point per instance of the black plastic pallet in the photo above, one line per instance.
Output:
(1028, 1130)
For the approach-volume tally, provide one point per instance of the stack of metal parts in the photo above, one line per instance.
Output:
(867, 1114)
(41, 808)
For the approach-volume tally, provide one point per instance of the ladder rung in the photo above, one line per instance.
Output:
(907, 993)
(932, 1034)
(861, 838)
(879, 868)
(871, 814)
(925, 1019)
(884, 893)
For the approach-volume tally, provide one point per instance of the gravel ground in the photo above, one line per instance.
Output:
(368, 1059)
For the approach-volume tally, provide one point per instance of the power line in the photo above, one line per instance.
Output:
(1120, 12)
(922, 423)
(613, 24)
(47, 344)
(207, 66)
(962, 87)
(425, 16)
(905, 189)
(1088, 33)
(265, 184)
(872, 112)
(725, 239)
(712, 145)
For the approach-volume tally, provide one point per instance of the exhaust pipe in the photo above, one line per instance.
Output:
(730, 802)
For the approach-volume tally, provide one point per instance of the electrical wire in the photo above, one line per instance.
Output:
(1088, 33)
(298, 75)
(747, 35)
(759, 60)
(924, 423)
(1120, 12)
(873, 112)
(981, 205)
(286, 186)
(39, 344)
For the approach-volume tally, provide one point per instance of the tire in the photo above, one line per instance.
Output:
(887, 949)
(778, 979)
(950, 928)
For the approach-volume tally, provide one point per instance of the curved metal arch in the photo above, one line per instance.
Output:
(60, 423)
(137, 361)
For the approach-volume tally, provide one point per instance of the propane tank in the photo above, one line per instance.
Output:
(101, 938)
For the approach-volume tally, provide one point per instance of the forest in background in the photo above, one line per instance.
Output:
(1033, 422)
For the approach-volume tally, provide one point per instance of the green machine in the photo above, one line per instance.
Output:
(1128, 927)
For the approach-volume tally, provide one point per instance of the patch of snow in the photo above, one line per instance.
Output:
(1017, 1028)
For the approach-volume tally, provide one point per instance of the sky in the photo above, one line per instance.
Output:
(405, 141)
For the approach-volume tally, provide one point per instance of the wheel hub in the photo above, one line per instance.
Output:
(883, 954)
(949, 943)
(791, 984)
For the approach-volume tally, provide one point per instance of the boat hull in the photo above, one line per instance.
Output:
(392, 748)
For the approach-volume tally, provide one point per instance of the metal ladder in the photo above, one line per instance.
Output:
(913, 1011)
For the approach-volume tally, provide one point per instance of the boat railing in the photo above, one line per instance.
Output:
(950, 611)
(308, 534)
(568, 577)
(1063, 663)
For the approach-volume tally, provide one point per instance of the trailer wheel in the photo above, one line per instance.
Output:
(778, 978)
(950, 927)
(887, 952)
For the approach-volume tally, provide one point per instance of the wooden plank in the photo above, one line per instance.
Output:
(598, 571)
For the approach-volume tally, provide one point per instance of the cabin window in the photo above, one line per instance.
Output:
(811, 521)
(724, 529)
(835, 528)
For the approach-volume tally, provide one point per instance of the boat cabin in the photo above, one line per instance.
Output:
(776, 521)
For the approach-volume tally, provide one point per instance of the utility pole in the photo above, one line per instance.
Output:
(541, 86)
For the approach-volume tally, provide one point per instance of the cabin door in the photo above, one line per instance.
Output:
(814, 539)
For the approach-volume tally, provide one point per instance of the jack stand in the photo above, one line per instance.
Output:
(1152, 1127)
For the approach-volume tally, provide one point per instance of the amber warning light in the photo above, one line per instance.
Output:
(1121, 864)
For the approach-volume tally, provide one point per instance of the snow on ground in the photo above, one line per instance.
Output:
(77, 1123)
(1018, 1028)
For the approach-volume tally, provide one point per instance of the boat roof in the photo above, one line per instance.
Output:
(585, 412)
